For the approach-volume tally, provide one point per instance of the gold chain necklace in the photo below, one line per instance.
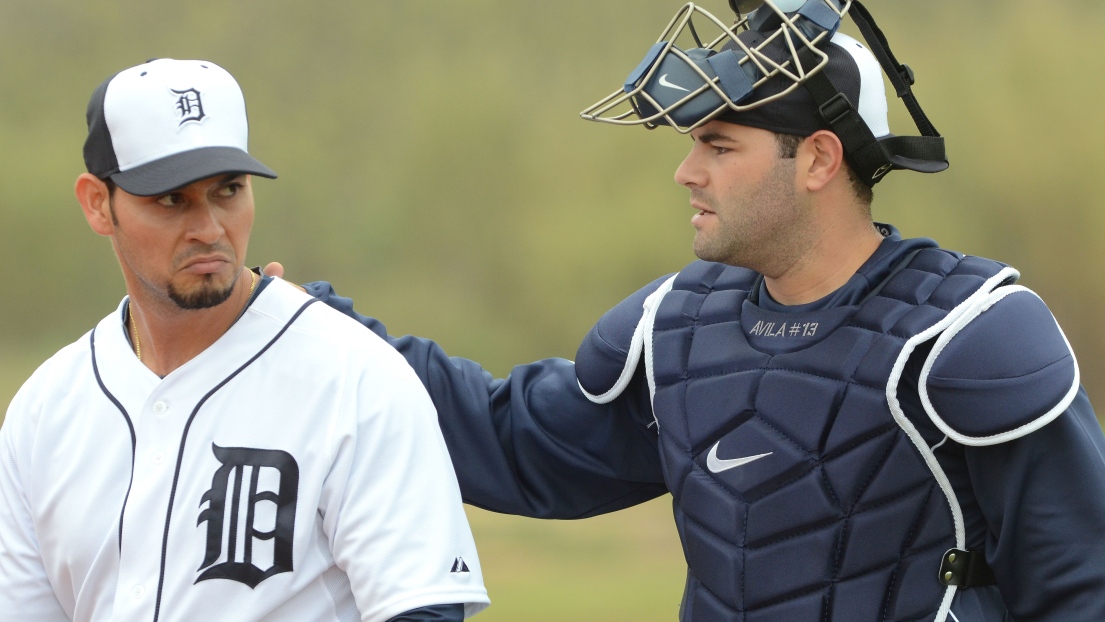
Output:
(134, 324)
(134, 331)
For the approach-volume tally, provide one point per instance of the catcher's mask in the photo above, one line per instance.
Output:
(750, 73)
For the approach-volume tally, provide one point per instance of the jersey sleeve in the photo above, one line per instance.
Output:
(391, 506)
(1043, 499)
(25, 590)
(437, 613)
(531, 443)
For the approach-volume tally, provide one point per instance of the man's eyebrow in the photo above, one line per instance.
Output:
(714, 137)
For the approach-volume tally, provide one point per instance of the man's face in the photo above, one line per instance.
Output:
(188, 245)
(749, 209)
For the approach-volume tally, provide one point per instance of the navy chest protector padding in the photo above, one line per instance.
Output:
(1001, 371)
(801, 489)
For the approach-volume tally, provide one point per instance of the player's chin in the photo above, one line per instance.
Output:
(706, 248)
(208, 292)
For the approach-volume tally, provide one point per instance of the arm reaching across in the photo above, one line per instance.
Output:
(531, 443)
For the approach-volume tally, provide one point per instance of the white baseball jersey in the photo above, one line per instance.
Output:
(294, 471)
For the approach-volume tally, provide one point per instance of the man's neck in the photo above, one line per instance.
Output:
(169, 337)
(837, 254)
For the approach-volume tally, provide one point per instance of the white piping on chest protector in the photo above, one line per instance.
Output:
(641, 343)
(911, 431)
(652, 305)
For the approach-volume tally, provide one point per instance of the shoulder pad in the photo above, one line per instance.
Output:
(1002, 370)
(608, 356)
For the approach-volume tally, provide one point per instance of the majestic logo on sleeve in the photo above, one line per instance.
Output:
(189, 106)
(250, 515)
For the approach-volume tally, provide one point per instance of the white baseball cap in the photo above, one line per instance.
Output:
(167, 123)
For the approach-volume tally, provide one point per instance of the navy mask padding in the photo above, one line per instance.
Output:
(643, 67)
(736, 80)
(817, 12)
(673, 80)
(820, 16)
(796, 113)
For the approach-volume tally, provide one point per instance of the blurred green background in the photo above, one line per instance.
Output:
(433, 167)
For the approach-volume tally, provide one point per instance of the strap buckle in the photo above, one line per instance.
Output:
(835, 109)
(906, 72)
(965, 569)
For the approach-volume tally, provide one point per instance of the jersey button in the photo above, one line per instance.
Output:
(160, 408)
(159, 457)
(138, 592)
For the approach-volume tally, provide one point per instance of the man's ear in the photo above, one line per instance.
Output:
(95, 200)
(821, 158)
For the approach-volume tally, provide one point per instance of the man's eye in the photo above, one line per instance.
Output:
(721, 150)
(171, 200)
(229, 190)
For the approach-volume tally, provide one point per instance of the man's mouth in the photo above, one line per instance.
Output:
(205, 264)
(700, 206)
(701, 209)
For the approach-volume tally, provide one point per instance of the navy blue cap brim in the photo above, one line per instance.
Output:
(181, 169)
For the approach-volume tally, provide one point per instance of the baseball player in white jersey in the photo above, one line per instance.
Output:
(218, 447)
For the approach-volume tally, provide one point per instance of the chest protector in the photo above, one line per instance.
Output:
(802, 491)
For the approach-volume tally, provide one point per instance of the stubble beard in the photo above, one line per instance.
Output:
(760, 229)
(210, 292)
(207, 295)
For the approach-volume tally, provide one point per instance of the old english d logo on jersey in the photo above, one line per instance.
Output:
(189, 105)
(239, 507)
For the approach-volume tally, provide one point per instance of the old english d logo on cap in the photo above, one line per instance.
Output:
(167, 123)
(189, 105)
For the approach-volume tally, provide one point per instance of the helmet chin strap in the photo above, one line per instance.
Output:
(873, 158)
(901, 76)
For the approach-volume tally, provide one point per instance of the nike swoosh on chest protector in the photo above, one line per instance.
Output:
(717, 465)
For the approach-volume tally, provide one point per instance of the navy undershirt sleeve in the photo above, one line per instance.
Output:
(1034, 505)
(436, 613)
(1043, 500)
(531, 443)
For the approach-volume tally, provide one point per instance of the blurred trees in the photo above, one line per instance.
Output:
(434, 168)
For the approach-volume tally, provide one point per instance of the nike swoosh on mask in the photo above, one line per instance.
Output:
(671, 85)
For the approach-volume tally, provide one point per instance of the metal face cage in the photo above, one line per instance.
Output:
(687, 79)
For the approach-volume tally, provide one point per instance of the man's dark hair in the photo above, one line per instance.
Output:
(111, 199)
(787, 145)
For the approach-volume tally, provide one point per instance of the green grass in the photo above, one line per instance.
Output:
(624, 566)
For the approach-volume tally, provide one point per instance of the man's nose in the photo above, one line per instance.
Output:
(690, 173)
(204, 224)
